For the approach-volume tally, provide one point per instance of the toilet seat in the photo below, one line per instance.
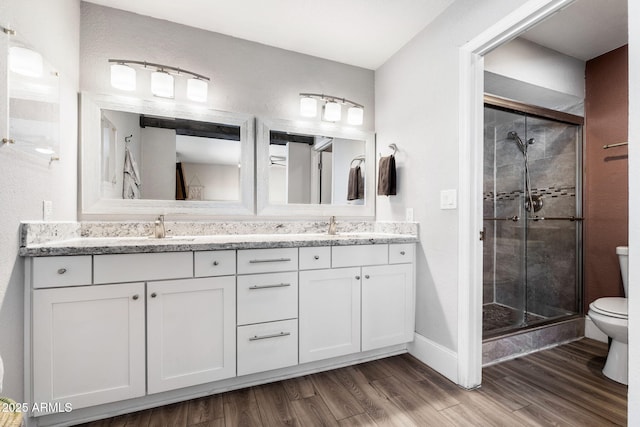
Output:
(611, 306)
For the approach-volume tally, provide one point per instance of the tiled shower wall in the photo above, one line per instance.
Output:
(547, 248)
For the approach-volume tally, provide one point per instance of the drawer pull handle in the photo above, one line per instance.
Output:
(258, 261)
(401, 252)
(316, 257)
(135, 297)
(62, 270)
(366, 276)
(215, 263)
(264, 337)
(153, 295)
(279, 285)
(357, 277)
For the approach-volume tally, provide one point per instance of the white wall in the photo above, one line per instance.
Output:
(51, 28)
(634, 214)
(158, 164)
(417, 94)
(538, 66)
(298, 178)
(220, 182)
(247, 77)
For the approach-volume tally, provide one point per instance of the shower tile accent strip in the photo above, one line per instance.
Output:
(552, 191)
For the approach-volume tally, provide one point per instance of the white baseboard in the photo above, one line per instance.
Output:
(592, 331)
(437, 357)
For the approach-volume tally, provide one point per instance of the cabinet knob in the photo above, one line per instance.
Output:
(153, 295)
(136, 296)
(366, 276)
(316, 257)
(215, 263)
(357, 277)
(62, 270)
(401, 252)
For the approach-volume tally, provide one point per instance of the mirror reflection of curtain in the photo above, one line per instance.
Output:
(181, 192)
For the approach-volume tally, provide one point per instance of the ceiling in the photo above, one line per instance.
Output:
(366, 33)
(584, 30)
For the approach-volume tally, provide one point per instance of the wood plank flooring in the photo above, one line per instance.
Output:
(562, 386)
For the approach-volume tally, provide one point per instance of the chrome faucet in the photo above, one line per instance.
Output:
(159, 232)
(332, 225)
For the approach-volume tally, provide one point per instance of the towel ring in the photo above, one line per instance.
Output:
(394, 147)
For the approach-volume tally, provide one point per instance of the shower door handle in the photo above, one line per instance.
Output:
(514, 218)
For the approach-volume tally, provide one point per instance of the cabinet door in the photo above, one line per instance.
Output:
(329, 313)
(88, 344)
(191, 332)
(387, 305)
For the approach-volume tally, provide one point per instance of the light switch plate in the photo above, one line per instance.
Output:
(409, 214)
(448, 199)
(47, 210)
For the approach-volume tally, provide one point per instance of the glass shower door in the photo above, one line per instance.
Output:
(531, 220)
(504, 282)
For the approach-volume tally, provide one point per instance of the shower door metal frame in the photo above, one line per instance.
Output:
(544, 113)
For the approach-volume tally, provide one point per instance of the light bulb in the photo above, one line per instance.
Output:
(162, 84)
(123, 77)
(332, 111)
(197, 90)
(308, 106)
(355, 115)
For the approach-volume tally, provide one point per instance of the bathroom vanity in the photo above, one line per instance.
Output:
(115, 325)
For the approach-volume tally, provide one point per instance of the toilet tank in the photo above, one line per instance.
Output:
(623, 257)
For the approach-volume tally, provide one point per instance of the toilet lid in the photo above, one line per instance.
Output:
(611, 306)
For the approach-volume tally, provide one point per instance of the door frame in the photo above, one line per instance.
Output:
(470, 177)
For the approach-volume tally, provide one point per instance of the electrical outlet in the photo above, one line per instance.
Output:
(47, 210)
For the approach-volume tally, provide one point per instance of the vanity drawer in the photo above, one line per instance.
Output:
(401, 253)
(267, 346)
(358, 255)
(142, 267)
(314, 258)
(267, 260)
(214, 263)
(54, 271)
(267, 297)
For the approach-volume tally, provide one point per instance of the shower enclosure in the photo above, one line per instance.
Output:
(532, 218)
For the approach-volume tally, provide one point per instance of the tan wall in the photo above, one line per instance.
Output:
(606, 173)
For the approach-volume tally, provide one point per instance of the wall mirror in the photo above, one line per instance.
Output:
(314, 170)
(34, 101)
(153, 157)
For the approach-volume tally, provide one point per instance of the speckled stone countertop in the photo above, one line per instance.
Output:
(94, 238)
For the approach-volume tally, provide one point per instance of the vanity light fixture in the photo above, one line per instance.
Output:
(123, 76)
(162, 84)
(332, 108)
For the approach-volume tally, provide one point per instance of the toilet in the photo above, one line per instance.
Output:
(610, 316)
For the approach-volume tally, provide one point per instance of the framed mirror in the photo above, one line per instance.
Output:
(141, 158)
(314, 169)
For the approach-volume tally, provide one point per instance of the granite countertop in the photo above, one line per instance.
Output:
(125, 245)
(100, 238)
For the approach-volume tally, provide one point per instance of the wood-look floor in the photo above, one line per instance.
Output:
(562, 386)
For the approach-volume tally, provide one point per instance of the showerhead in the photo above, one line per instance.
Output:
(521, 145)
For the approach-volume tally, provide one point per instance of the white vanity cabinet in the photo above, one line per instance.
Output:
(147, 329)
(387, 305)
(88, 344)
(329, 313)
(190, 332)
(267, 309)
